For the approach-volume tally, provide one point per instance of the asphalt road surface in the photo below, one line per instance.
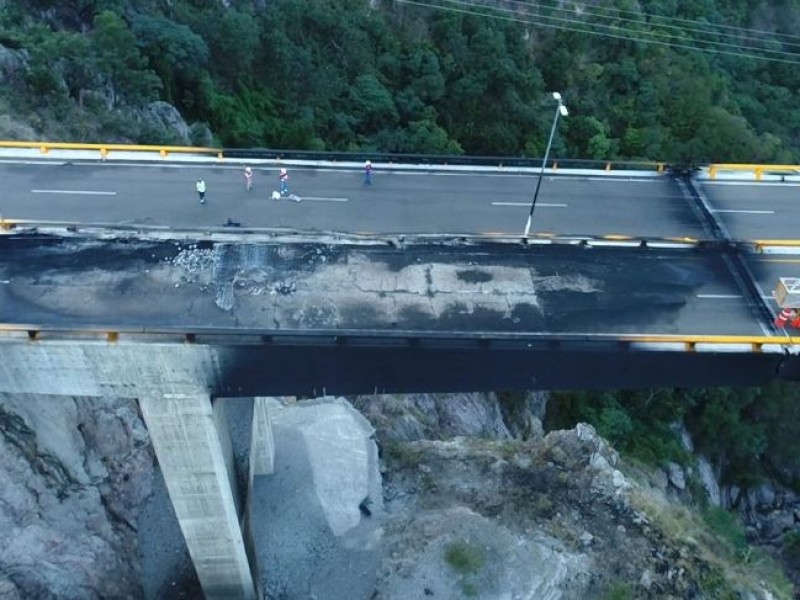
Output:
(418, 202)
(318, 287)
(756, 211)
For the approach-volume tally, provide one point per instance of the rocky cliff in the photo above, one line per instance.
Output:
(477, 502)
(73, 474)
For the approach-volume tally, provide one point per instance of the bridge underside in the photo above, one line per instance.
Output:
(341, 370)
(342, 367)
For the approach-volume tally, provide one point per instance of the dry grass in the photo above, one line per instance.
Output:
(733, 566)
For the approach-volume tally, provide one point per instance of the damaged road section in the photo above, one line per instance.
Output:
(307, 286)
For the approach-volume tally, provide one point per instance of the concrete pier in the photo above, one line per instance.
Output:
(187, 443)
(171, 383)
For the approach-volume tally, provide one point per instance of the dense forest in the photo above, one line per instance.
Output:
(669, 80)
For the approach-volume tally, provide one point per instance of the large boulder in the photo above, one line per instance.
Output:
(164, 123)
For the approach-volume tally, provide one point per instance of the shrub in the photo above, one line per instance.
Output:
(463, 557)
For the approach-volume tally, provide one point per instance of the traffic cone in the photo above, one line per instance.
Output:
(783, 318)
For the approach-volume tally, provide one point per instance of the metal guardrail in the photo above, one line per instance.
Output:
(32, 333)
(336, 157)
(225, 232)
(757, 170)
(105, 149)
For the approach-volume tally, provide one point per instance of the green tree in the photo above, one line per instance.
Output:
(176, 53)
(372, 104)
(121, 64)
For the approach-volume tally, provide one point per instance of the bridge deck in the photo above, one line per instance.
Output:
(369, 288)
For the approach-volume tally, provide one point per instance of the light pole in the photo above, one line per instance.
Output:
(560, 110)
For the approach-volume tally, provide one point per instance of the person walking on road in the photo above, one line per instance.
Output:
(201, 190)
(283, 180)
(368, 173)
(248, 178)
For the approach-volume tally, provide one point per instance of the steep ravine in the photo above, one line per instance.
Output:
(474, 492)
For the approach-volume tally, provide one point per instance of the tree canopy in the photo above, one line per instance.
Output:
(657, 80)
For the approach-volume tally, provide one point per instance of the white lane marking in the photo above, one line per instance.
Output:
(44, 161)
(748, 212)
(324, 199)
(750, 182)
(542, 204)
(719, 296)
(76, 192)
(621, 179)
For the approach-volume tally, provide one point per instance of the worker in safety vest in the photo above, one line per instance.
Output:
(200, 186)
(283, 179)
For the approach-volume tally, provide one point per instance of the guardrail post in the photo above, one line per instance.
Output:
(608, 166)
(712, 172)
(659, 167)
(103, 153)
(555, 166)
(759, 173)
(219, 155)
(163, 153)
(44, 149)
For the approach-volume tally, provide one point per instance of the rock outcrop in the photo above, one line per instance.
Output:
(410, 417)
(12, 64)
(73, 473)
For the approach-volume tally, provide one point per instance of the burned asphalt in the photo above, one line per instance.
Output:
(372, 288)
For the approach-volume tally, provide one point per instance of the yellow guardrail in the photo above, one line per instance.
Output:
(690, 342)
(105, 149)
(757, 170)
(782, 243)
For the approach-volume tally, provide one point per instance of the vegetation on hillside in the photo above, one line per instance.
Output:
(396, 77)
(748, 434)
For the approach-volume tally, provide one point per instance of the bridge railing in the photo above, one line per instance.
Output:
(105, 151)
(757, 170)
(32, 333)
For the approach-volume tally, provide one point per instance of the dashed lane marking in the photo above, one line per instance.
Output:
(75, 192)
(748, 212)
(750, 182)
(719, 296)
(324, 199)
(540, 204)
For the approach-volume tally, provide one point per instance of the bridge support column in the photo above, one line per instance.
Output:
(187, 443)
(262, 446)
(262, 462)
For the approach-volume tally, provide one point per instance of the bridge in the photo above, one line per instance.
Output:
(115, 281)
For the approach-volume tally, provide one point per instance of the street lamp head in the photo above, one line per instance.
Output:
(563, 110)
(557, 96)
